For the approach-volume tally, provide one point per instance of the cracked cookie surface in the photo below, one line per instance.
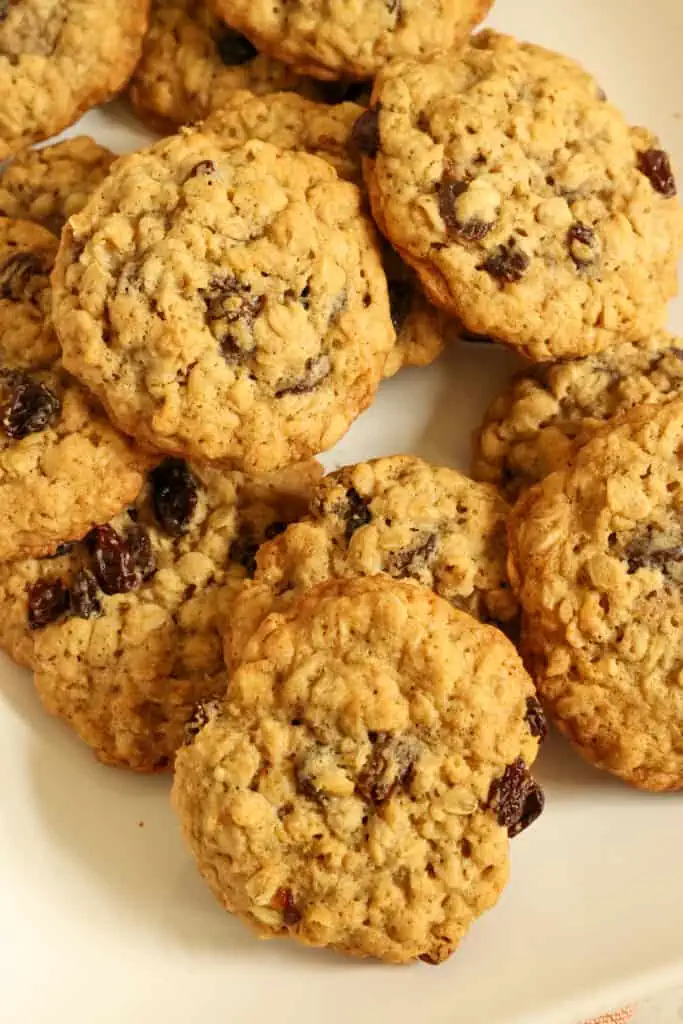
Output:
(176, 288)
(122, 630)
(192, 63)
(527, 205)
(532, 427)
(596, 553)
(330, 40)
(59, 58)
(358, 786)
(48, 185)
(397, 515)
(296, 123)
(63, 466)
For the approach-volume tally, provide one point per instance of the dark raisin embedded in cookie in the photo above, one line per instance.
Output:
(113, 561)
(204, 167)
(536, 719)
(140, 546)
(507, 263)
(400, 298)
(517, 798)
(48, 601)
(235, 49)
(355, 510)
(17, 272)
(283, 900)
(174, 495)
(412, 561)
(85, 599)
(231, 310)
(472, 230)
(389, 766)
(31, 408)
(583, 244)
(365, 134)
(203, 713)
(644, 552)
(655, 165)
(243, 550)
(314, 373)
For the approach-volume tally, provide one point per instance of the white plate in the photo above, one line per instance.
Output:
(102, 917)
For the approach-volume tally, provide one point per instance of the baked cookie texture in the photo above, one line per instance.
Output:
(396, 515)
(62, 465)
(136, 644)
(357, 787)
(330, 40)
(532, 427)
(192, 63)
(49, 185)
(296, 123)
(59, 58)
(176, 286)
(596, 557)
(528, 206)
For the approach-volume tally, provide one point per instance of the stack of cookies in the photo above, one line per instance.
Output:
(333, 666)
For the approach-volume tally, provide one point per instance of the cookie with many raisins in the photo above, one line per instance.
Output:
(294, 122)
(246, 315)
(122, 629)
(63, 467)
(532, 427)
(397, 515)
(192, 63)
(330, 41)
(596, 554)
(359, 785)
(59, 59)
(528, 206)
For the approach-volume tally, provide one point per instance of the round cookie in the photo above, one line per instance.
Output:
(354, 39)
(357, 788)
(192, 63)
(294, 122)
(49, 185)
(529, 208)
(532, 428)
(222, 253)
(135, 645)
(596, 556)
(397, 515)
(59, 58)
(62, 465)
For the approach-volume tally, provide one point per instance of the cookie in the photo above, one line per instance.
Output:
(49, 185)
(333, 40)
(125, 626)
(221, 254)
(597, 558)
(532, 427)
(192, 63)
(294, 122)
(59, 59)
(529, 208)
(27, 255)
(358, 786)
(396, 515)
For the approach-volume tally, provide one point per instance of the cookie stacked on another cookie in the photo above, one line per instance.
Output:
(357, 787)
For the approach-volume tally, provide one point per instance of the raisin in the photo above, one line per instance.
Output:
(204, 167)
(274, 530)
(113, 561)
(48, 601)
(642, 554)
(356, 511)
(283, 900)
(315, 372)
(202, 714)
(231, 310)
(244, 551)
(235, 49)
(365, 132)
(306, 785)
(410, 561)
(506, 262)
(655, 165)
(31, 408)
(140, 547)
(434, 959)
(400, 295)
(85, 600)
(469, 231)
(389, 766)
(344, 91)
(582, 243)
(17, 273)
(174, 495)
(516, 797)
(61, 549)
(536, 718)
